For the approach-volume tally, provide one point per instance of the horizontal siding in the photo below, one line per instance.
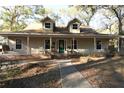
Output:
(85, 45)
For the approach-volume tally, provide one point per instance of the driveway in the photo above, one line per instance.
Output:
(71, 78)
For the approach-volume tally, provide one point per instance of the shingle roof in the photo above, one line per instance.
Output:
(37, 28)
(33, 26)
(47, 19)
(73, 20)
(88, 31)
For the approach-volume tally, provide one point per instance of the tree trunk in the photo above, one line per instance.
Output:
(11, 25)
(120, 26)
(119, 21)
(13, 19)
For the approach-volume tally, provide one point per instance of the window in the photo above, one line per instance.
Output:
(74, 44)
(98, 45)
(18, 44)
(47, 25)
(75, 26)
(47, 44)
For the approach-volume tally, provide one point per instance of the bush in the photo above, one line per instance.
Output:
(13, 72)
(112, 51)
(5, 48)
(97, 54)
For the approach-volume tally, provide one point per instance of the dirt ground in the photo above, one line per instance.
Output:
(25, 74)
(102, 72)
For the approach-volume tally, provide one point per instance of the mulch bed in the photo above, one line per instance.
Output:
(33, 75)
(22, 57)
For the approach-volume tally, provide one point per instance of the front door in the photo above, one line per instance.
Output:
(61, 46)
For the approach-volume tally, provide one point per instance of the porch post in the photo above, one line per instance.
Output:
(7, 40)
(66, 44)
(73, 43)
(94, 44)
(28, 46)
(50, 43)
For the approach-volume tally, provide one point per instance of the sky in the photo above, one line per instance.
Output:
(98, 21)
(61, 2)
(55, 7)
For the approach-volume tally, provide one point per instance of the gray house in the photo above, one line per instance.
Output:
(38, 38)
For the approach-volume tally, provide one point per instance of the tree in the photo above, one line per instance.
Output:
(13, 17)
(43, 12)
(110, 21)
(87, 12)
(118, 11)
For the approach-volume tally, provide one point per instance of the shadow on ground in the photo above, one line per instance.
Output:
(108, 72)
(50, 78)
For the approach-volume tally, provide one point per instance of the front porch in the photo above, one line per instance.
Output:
(64, 45)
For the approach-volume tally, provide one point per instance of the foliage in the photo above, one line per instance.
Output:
(15, 18)
(112, 50)
(118, 11)
(87, 12)
(113, 16)
(83, 12)
(13, 72)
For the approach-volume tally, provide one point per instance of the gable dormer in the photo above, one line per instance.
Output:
(74, 26)
(48, 24)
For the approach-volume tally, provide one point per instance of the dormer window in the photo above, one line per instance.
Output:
(75, 26)
(47, 25)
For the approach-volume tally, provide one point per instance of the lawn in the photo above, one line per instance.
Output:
(104, 72)
(23, 74)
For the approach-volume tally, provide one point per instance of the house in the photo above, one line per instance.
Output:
(47, 37)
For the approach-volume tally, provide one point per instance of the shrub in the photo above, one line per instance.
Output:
(13, 72)
(112, 51)
(97, 54)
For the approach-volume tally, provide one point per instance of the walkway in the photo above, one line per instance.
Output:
(71, 78)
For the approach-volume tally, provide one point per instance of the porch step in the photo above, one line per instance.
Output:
(59, 56)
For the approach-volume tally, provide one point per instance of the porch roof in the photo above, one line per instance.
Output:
(121, 36)
(39, 34)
